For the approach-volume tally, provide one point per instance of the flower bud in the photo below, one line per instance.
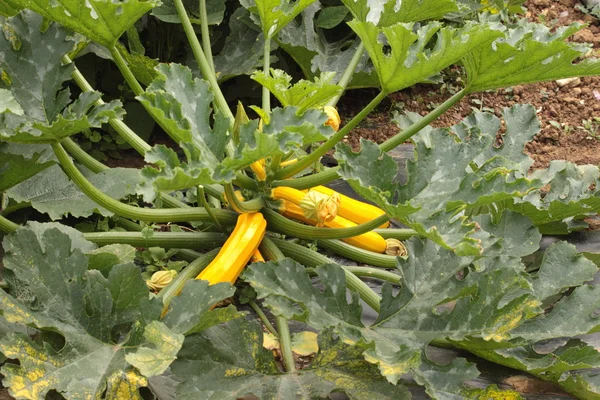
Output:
(160, 279)
(320, 207)
(334, 118)
(395, 248)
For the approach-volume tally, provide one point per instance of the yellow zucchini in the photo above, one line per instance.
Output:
(237, 250)
(369, 241)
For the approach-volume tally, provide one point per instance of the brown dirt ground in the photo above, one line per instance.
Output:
(567, 105)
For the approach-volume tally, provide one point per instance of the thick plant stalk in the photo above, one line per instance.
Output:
(261, 314)
(409, 132)
(184, 240)
(331, 174)
(250, 206)
(357, 254)
(274, 254)
(7, 226)
(189, 272)
(123, 130)
(286, 226)
(204, 203)
(397, 233)
(266, 94)
(136, 213)
(82, 157)
(348, 73)
(367, 272)
(203, 63)
(126, 71)
(206, 35)
(331, 142)
(313, 259)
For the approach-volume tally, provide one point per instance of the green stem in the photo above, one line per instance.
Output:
(250, 206)
(184, 240)
(313, 259)
(15, 207)
(357, 254)
(126, 71)
(309, 181)
(82, 157)
(123, 130)
(274, 254)
(190, 272)
(348, 73)
(367, 272)
(7, 226)
(286, 226)
(285, 341)
(393, 233)
(202, 201)
(203, 62)
(331, 174)
(206, 35)
(263, 318)
(406, 134)
(244, 181)
(332, 141)
(136, 213)
(266, 95)
(96, 166)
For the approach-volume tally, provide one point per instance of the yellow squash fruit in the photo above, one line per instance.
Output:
(237, 250)
(369, 241)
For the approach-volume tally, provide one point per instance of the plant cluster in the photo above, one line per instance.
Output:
(83, 318)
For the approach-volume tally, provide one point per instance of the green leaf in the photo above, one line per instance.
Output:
(8, 8)
(453, 172)
(554, 277)
(526, 54)
(228, 362)
(486, 305)
(445, 381)
(154, 361)
(45, 113)
(197, 299)
(15, 169)
(242, 52)
(275, 14)
(303, 94)
(104, 258)
(315, 54)
(101, 21)
(80, 305)
(387, 12)
(571, 191)
(108, 325)
(182, 104)
(52, 192)
(406, 57)
(8, 103)
(144, 68)
(572, 315)
(168, 13)
(330, 17)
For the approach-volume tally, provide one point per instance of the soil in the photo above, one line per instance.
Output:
(561, 108)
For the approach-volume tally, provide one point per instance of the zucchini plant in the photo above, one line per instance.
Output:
(80, 321)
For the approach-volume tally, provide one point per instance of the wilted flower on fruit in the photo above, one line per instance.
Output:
(320, 207)
(334, 118)
(160, 279)
(394, 247)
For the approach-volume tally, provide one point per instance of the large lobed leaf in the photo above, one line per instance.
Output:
(99, 20)
(388, 12)
(40, 108)
(526, 54)
(275, 14)
(16, 168)
(229, 362)
(111, 338)
(454, 171)
(404, 56)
